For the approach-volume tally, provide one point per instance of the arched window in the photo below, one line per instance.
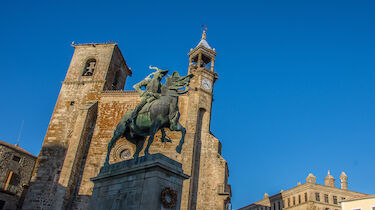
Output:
(89, 67)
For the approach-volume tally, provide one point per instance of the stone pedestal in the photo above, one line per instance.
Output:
(148, 182)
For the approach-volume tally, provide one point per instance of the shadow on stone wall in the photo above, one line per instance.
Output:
(46, 173)
(44, 188)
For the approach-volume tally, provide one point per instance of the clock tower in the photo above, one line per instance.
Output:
(201, 64)
(205, 190)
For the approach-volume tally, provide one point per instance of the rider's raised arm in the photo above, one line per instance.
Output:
(139, 85)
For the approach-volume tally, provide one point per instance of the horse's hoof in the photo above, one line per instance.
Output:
(178, 150)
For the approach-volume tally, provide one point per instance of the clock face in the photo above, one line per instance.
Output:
(206, 84)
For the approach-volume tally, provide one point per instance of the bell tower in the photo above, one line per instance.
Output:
(202, 144)
(94, 68)
(201, 64)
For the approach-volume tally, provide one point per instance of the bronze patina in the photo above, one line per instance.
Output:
(157, 110)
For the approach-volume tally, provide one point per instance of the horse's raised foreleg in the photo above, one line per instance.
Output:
(115, 137)
(120, 129)
(154, 128)
(139, 147)
(180, 128)
(163, 136)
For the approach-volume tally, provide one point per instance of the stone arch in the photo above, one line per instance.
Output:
(89, 67)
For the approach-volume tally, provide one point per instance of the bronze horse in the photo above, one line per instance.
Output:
(157, 115)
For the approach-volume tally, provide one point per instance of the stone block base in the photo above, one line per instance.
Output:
(148, 182)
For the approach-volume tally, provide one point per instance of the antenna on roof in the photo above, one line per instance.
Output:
(19, 134)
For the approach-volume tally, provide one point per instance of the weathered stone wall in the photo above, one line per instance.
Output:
(11, 192)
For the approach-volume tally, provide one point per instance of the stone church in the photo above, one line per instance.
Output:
(91, 103)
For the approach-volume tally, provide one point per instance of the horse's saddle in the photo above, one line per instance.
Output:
(146, 107)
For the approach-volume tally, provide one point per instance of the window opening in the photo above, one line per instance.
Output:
(317, 197)
(16, 158)
(89, 67)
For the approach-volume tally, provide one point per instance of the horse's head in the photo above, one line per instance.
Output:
(174, 83)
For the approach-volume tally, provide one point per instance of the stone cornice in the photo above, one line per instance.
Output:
(205, 71)
(318, 187)
(118, 92)
(202, 49)
(82, 82)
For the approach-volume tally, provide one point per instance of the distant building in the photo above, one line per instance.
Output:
(361, 203)
(308, 196)
(16, 166)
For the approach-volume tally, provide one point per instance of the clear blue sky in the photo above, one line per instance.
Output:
(296, 88)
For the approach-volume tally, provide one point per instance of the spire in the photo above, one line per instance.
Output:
(203, 41)
(344, 181)
(202, 55)
(329, 180)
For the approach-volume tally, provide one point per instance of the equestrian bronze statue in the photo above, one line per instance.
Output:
(157, 110)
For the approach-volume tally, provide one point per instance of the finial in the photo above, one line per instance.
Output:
(329, 176)
(344, 181)
(329, 180)
(204, 27)
(311, 178)
(343, 175)
(204, 35)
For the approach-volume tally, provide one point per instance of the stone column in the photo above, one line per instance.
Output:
(148, 182)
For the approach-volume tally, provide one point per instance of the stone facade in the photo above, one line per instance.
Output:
(16, 166)
(361, 203)
(308, 196)
(91, 103)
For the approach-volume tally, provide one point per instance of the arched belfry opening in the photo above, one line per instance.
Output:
(89, 68)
